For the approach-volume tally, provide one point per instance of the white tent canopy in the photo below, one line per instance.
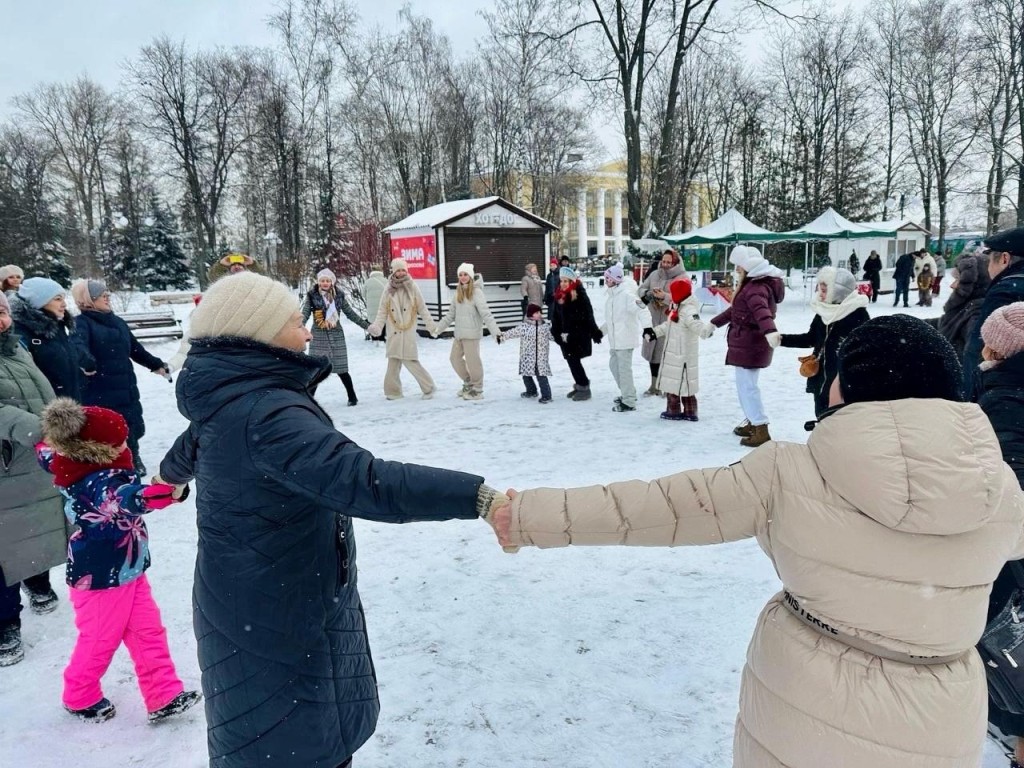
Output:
(832, 225)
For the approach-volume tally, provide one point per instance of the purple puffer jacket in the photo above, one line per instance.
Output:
(750, 317)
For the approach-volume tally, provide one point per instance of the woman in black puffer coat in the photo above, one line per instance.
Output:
(285, 659)
(42, 321)
(574, 329)
(108, 348)
(999, 390)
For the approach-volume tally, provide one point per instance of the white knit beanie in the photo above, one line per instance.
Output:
(243, 304)
(325, 272)
(465, 268)
(11, 270)
(397, 264)
(742, 255)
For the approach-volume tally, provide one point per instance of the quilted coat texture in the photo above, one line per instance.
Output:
(469, 317)
(47, 340)
(680, 372)
(750, 317)
(890, 525)
(286, 668)
(31, 509)
(107, 346)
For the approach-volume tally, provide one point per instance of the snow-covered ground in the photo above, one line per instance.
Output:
(574, 658)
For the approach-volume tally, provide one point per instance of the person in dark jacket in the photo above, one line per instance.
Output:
(551, 285)
(961, 309)
(854, 264)
(108, 348)
(286, 668)
(1005, 251)
(902, 276)
(999, 391)
(838, 309)
(574, 329)
(752, 336)
(873, 273)
(42, 321)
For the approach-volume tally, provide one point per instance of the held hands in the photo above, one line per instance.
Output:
(708, 331)
(499, 517)
(373, 329)
(161, 495)
(774, 339)
(598, 336)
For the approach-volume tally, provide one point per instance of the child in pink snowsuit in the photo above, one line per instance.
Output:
(85, 449)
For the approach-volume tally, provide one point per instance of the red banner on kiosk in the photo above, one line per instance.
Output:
(419, 252)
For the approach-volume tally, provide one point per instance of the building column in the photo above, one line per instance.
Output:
(617, 223)
(600, 223)
(581, 223)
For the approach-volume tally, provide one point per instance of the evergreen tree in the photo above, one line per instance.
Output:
(163, 262)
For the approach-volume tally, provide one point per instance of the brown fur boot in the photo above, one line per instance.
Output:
(759, 436)
(746, 429)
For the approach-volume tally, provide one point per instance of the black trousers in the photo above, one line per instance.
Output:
(10, 596)
(904, 289)
(576, 369)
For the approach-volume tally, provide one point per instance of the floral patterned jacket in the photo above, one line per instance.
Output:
(111, 546)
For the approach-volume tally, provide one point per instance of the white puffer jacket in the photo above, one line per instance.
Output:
(622, 312)
(889, 526)
(679, 372)
(469, 317)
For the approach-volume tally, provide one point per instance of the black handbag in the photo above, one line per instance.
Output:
(1002, 649)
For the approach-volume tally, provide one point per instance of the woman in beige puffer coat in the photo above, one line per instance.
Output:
(886, 529)
(401, 304)
(470, 314)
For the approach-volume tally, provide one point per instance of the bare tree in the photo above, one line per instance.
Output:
(79, 121)
(195, 108)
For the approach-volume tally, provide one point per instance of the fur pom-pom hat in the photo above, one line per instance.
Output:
(84, 433)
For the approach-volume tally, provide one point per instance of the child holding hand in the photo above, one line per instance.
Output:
(86, 450)
(534, 347)
(677, 377)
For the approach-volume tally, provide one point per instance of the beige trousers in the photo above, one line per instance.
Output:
(465, 359)
(393, 384)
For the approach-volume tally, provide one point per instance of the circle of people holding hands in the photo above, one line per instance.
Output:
(890, 529)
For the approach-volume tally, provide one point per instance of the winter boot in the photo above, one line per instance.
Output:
(758, 437)
(746, 429)
(672, 411)
(581, 394)
(11, 650)
(42, 602)
(621, 407)
(810, 425)
(572, 393)
(181, 702)
(99, 712)
(473, 394)
(653, 391)
(466, 387)
(690, 408)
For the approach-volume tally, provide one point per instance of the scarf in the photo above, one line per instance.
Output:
(831, 313)
(567, 295)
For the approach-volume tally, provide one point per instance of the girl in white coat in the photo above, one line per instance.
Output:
(621, 330)
(678, 376)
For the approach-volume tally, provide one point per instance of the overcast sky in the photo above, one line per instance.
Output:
(57, 40)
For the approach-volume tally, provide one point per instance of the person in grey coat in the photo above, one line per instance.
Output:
(33, 538)
(326, 302)
(373, 291)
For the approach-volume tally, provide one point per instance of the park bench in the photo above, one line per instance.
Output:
(154, 325)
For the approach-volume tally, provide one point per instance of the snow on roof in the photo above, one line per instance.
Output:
(731, 226)
(438, 214)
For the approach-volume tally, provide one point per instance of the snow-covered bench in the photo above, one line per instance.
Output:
(154, 325)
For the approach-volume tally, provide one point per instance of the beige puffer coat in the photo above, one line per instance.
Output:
(679, 372)
(890, 526)
(469, 317)
(400, 309)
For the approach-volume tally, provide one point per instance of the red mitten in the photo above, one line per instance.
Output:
(158, 495)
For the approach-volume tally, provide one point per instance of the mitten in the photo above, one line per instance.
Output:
(649, 334)
(598, 336)
(565, 338)
(373, 329)
(774, 339)
(707, 331)
(158, 496)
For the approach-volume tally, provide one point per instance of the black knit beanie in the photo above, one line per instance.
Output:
(895, 357)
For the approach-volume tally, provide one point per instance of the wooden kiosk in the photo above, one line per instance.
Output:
(499, 239)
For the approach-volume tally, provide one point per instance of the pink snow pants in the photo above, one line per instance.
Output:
(105, 618)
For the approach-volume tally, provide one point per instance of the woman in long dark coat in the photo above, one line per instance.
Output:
(574, 329)
(108, 349)
(287, 674)
(326, 302)
(873, 273)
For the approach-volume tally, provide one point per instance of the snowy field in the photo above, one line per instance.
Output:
(574, 658)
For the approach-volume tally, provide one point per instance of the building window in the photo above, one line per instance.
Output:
(608, 227)
(573, 250)
(610, 248)
(573, 226)
(591, 224)
(625, 224)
